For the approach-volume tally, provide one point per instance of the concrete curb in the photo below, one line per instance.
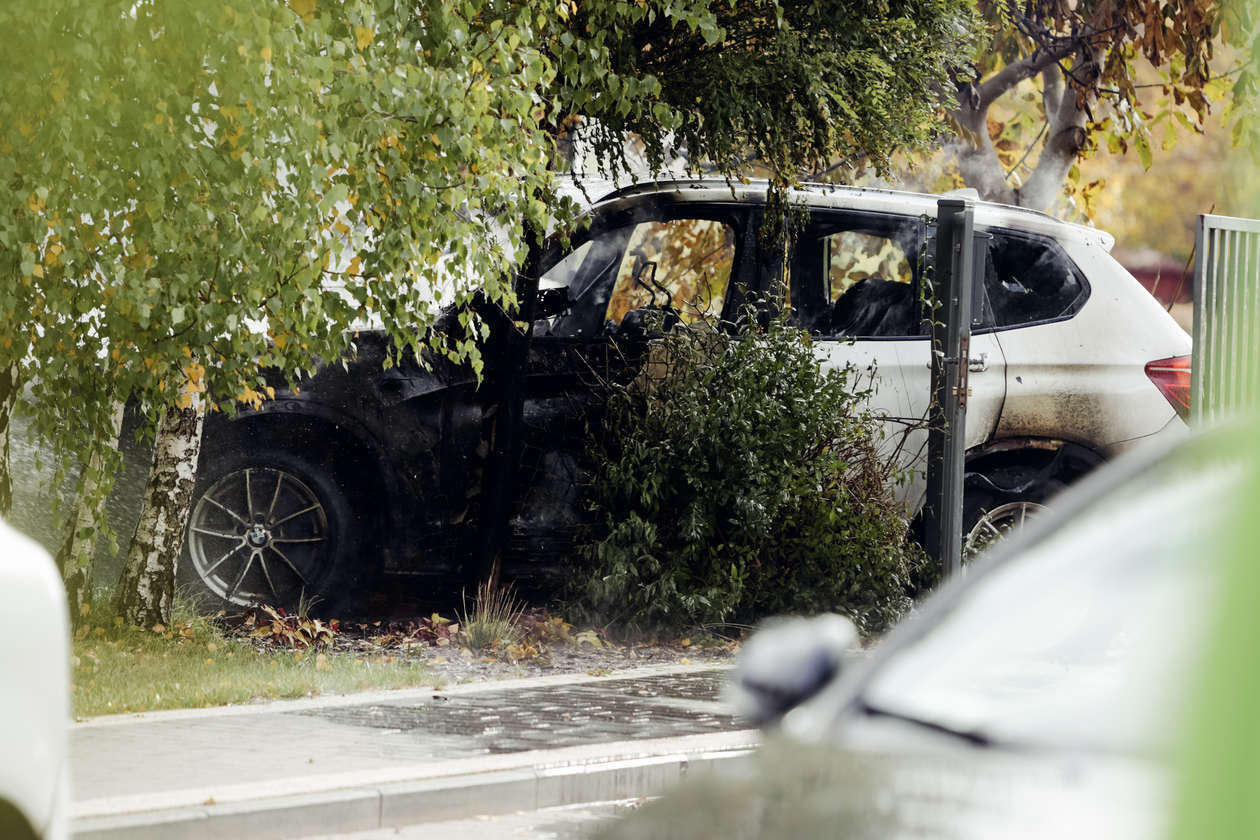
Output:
(339, 803)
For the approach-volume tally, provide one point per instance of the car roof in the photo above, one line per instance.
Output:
(815, 195)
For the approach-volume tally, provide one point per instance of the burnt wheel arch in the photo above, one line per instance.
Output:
(1010, 471)
(299, 461)
(1014, 480)
(1035, 459)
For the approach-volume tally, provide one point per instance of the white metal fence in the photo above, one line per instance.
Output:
(1226, 316)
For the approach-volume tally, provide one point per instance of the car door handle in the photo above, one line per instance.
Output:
(978, 363)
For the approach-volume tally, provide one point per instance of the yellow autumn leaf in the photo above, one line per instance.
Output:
(265, 52)
(363, 37)
(250, 397)
(37, 270)
(355, 265)
(305, 9)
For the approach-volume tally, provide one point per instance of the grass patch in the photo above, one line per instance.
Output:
(194, 664)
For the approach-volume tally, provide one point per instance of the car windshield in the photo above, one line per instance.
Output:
(1082, 641)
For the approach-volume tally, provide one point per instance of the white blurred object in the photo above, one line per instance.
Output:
(786, 662)
(35, 705)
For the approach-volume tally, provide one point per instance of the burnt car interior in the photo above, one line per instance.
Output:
(856, 275)
(676, 263)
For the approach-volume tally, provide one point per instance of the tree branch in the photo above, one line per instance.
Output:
(1012, 74)
(1028, 151)
(1051, 89)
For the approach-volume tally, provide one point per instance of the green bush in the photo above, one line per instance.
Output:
(735, 479)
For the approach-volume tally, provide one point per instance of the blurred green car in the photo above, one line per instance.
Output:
(1042, 694)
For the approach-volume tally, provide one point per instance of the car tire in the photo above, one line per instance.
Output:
(998, 502)
(269, 527)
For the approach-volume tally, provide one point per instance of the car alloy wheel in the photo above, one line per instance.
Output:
(260, 535)
(994, 525)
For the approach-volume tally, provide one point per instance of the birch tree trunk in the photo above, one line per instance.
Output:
(74, 559)
(147, 585)
(8, 399)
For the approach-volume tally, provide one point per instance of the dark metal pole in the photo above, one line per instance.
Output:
(950, 319)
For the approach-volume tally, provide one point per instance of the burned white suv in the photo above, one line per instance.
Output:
(1071, 362)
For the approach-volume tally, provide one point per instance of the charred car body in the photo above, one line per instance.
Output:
(382, 469)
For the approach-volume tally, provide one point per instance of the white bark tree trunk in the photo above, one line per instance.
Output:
(147, 585)
(8, 399)
(1065, 135)
(977, 159)
(77, 550)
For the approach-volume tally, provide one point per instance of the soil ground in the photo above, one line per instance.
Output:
(545, 645)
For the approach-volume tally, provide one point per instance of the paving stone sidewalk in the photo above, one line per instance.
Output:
(359, 762)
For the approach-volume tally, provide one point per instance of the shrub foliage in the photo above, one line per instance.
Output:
(735, 478)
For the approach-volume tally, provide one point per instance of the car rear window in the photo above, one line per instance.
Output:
(1029, 279)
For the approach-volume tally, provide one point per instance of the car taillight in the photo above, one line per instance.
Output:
(1172, 377)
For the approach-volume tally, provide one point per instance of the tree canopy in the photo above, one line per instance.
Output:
(195, 191)
(1056, 78)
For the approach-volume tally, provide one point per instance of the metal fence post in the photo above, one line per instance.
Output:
(950, 325)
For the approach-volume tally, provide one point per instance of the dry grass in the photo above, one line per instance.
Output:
(495, 620)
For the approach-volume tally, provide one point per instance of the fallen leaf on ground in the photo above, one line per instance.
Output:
(588, 637)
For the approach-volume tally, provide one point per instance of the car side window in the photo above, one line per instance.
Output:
(856, 278)
(683, 265)
(1029, 278)
(586, 277)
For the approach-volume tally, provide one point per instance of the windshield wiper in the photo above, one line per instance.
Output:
(975, 737)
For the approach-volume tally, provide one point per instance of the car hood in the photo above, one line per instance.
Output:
(790, 789)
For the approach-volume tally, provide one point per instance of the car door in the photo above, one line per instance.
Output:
(631, 271)
(855, 284)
